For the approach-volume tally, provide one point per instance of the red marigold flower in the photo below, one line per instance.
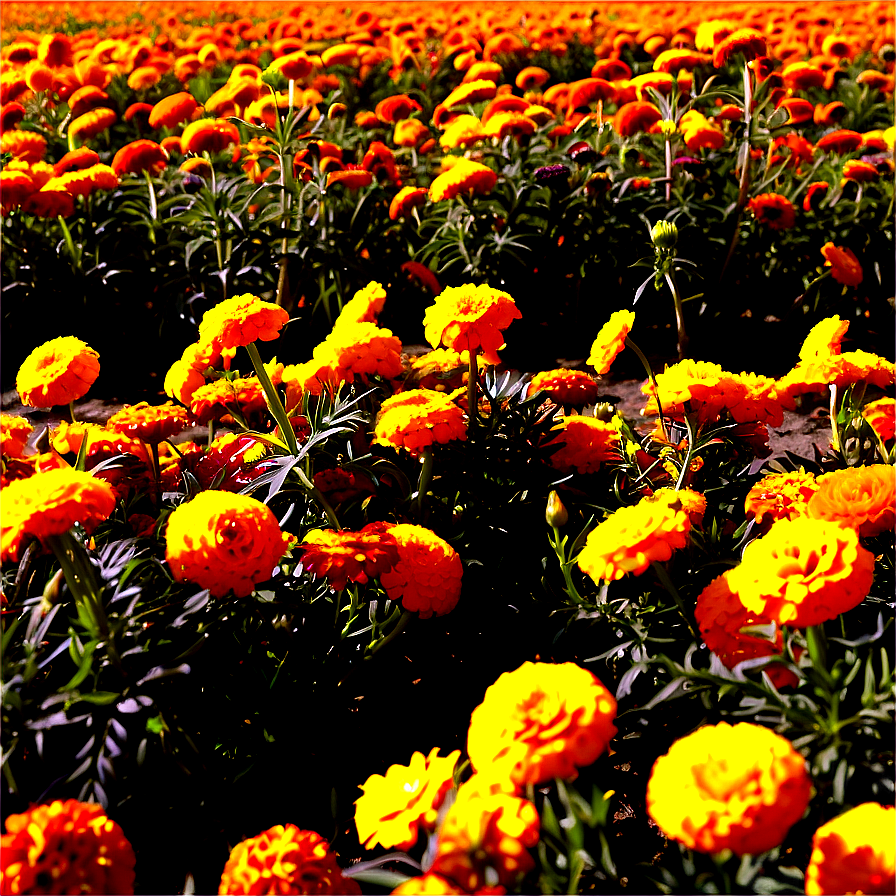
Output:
(844, 265)
(293, 66)
(224, 542)
(394, 808)
(802, 75)
(25, 145)
(634, 537)
(240, 321)
(467, 318)
(610, 341)
(881, 417)
(739, 787)
(859, 171)
(49, 504)
(464, 177)
(396, 108)
(405, 200)
(285, 859)
(780, 496)
(854, 853)
(353, 177)
(49, 204)
(82, 157)
(230, 463)
(586, 444)
(636, 116)
(14, 433)
(861, 498)
(803, 572)
(58, 372)
(572, 387)
(427, 577)
(140, 156)
(422, 275)
(147, 423)
(222, 397)
(815, 192)
(798, 110)
(541, 721)
(746, 41)
(340, 485)
(209, 135)
(774, 210)
(92, 123)
(343, 557)
(410, 132)
(532, 77)
(699, 132)
(65, 847)
(840, 142)
(173, 110)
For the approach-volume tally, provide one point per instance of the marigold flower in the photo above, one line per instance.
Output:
(747, 41)
(82, 157)
(844, 265)
(780, 496)
(803, 572)
(222, 397)
(148, 423)
(824, 339)
(343, 557)
(405, 200)
(859, 171)
(739, 787)
(854, 853)
(881, 417)
(209, 135)
(285, 859)
(774, 210)
(362, 349)
(65, 847)
(428, 884)
(485, 836)
(840, 142)
(14, 433)
(568, 387)
(688, 386)
(224, 542)
(586, 444)
(58, 372)
(394, 808)
(396, 108)
(427, 577)
(861, 498)
(181, 381)
(463, 130)
(700, 133)
(354, 178)
(639, 115)
(464, 177)
(240, 321)
(693, 503)
(83, 181)
(610, 340)
(470, 92)
(173, 110)
(49, 504)
(25, 145)
(840, 370)
(92, 123)
(469, 318)
(634, 537)
(140, 156)
(410, 132)
(66, 438)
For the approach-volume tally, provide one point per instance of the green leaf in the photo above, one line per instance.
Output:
(85, 664)
(100, 698)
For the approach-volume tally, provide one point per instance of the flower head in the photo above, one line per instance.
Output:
(14, 433)
(635, 116)
(217, 399)
(862, 498)
(396, 806)
(150, 424)
(824, 339)
(65, 847)
(803, 572)
(418, 418)
(173, 110)
(780, 496)
(362, 349)
(464, 177)
(364, 306)
(854, 853)
(881, 417)
(224, 542)
(570, 387)
(469, 318)
(541, 721)
(739, 787)
(586, 444)
(634, 537)
(427, 577)
(57, 372)
(140, 156)
(284, 859)
(241, 320)
(844, 265)
(610, 340)
(209, 135)
(747, 41)
(343, 557)
(773, 210)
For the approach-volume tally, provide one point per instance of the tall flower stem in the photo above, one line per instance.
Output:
(274, 404)
(424, 480)
(71, 411)
(403, 620)
(472, 382)
(679, 315)
(650, 375)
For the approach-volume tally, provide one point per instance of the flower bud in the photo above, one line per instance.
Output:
(336, 110)
(668, 127)
(51, 593)
(605, 411)
(555, 513)
(664, 235)
(274, 78)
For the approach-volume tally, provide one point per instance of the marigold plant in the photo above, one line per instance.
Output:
(343, 557)
(58, 372)
(14, 433)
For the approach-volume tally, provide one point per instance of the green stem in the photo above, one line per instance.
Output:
(668, 148)
(835, 429)
(403, 620)
(558, 543)
(687, 458)
(71, 410)
(650, 375)
(274, 404)
(679, 316)
(666, 582)
(817, 644)
(424, 480)
(472, 382)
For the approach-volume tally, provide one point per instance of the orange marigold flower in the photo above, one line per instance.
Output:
(486, 836)
(92, 123)
(780, 496)
(739, 787)
(320, 374)
(462, 131)
(464, 177)
(610, 341)
(406, 200)
(396, 108)
(83, 181)
(803, 572)
(410, 132)
(224, 542)
(182, 381)
(844, 265)
(859, 171)
(364, 306)
(586, 444)
(541, 721)
(815, 192)
(774, 210)
(150, 424)
(240, 321)
(209, 135)
(815, 375)
(854, 853)
(244, 396)
(173, 110)
(688, 386)
(58, 372)
(343, 557)
(66, 438)
(467, 318)
(862, 498)
(14, 433)
(65, 847)
(83, 157)
(25, 145)
(729, 630)
(50, 504)
(572, 387)
(395, 807)
(354, 178)
(634, 537)
(747, 41)
(881, 417)
(140, 156)
(693, 503)
(840, 142)
(285, 859)
(427, 577)
(362, 349)
(824, 338)
(636, 116)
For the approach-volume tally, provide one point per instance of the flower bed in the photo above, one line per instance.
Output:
(409, 619)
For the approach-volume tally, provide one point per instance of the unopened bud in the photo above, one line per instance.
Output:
(664, 235)
(336, 110)
(555, 513)
(51, 593)
(604, 411)
(274, 78)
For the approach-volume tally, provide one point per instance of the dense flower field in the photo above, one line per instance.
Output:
(371, 587)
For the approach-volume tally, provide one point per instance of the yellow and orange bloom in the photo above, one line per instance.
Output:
(860, 498)
(91, 123)
(173, 110)
(881, 417)
(824, 339)
(464, 177)
(150, 424)
(587, 443)
(844, 265)
(780, 496)
(747, 42)
(343, 557)
(140, 156)
(58, 372)
(610, 341)
(406, 200)
(14, 433)
(739, 787)
(568, 387)
(209, 135)
(240, 321)
(361, 349)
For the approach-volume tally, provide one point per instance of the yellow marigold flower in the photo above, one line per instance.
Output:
(57, 372)
(610, 340)
(824, 339)
(25, 145)
(321, 373)
(862, 498)
(463, 177)
(50, 504)
(586, 444)
(362, 349)
(418, 418)
(803, 572)
(881, 417)
(634, 537)
(343, 557)
(780, 496)
(428, 884)
(752, 398)
(240, 321)
(693, 503)
(463, 130)
(471, 92)
(427, 577)
(688, 386)
(572, 387)
(395, 807)
(854, 853)
(284, 859)
(14, 432)
(469, 317)
(223, 542)
(65, 847)
(182, 380)
(739, 787)
(150, 424)
(541, 721)
(92, 123)
(839, 370)
(83, 181)
(364, 306)
(442, 370)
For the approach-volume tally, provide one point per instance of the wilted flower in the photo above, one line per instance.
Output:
(58, 372)
(418, 418)
(610, 340)
(343, 557)
(861, 498)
